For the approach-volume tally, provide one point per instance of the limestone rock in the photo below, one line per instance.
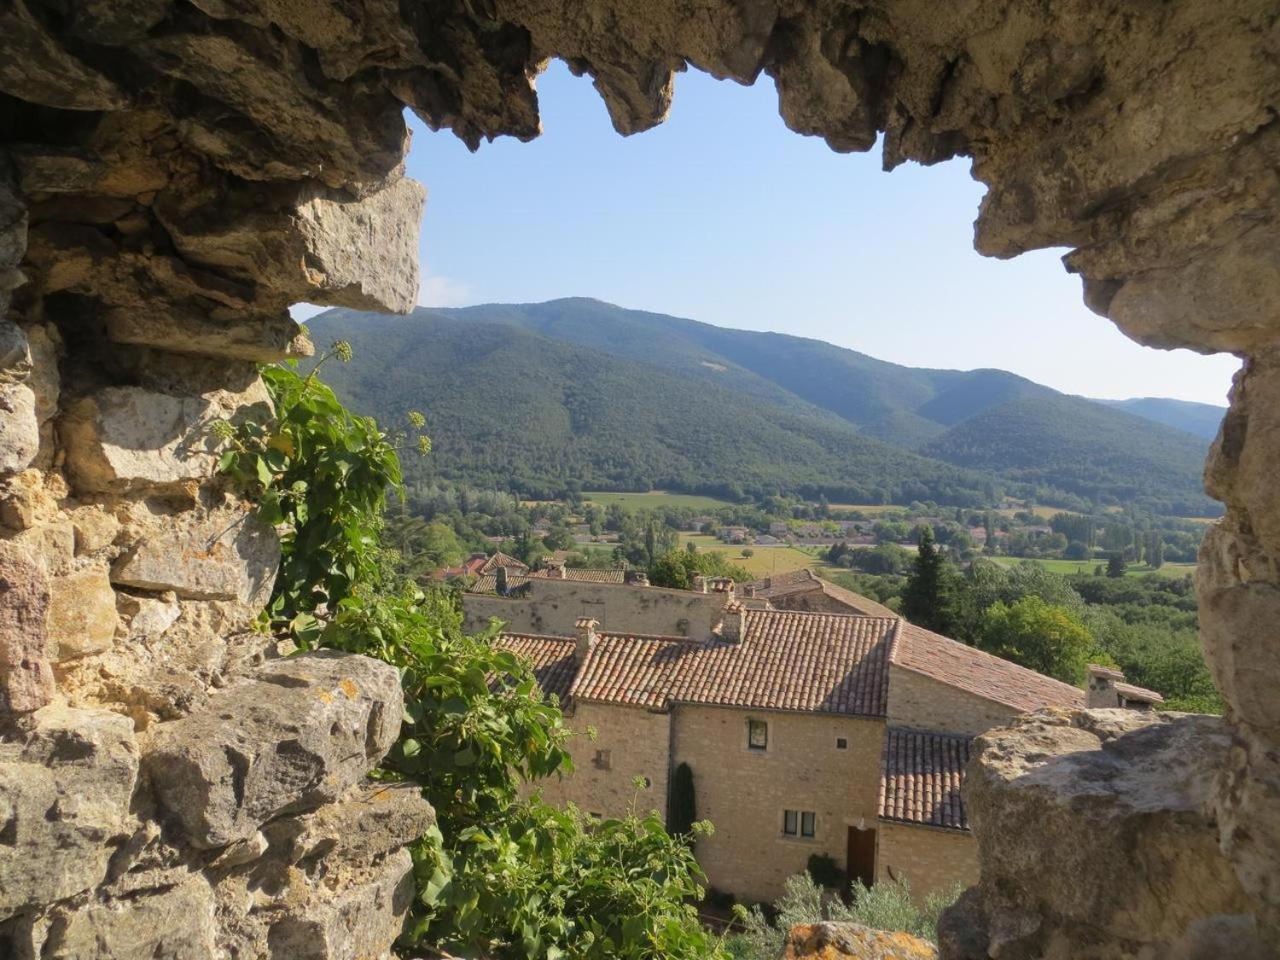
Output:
(851, 941)
(224, 554)
(318, 245)
(65, 795)
(19, 428)
(262, 339)
(172, 924)
(82, 613)
(129, 437)
(46, 73)
(95, 529)
(26, 679)
(15, 353)
(1104, 797)
(294, 736)
(150, 616)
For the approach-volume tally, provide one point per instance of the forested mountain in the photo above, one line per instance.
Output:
(1201, 419)
(803, 414)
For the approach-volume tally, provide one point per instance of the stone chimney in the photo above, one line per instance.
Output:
(586, 627)
(699, 584)
(722, 585)
(555, 569)
(1102, 687)
(749, 591)
(734, 624)
(636, 578)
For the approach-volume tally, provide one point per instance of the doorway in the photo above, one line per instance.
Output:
(860, 856)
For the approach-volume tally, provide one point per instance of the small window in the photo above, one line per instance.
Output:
(757, 735)
(799, 823)
(603, 760)
(842, 743)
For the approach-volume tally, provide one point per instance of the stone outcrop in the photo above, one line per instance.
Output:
(851, 941)
(1108, 796)
(174, 175)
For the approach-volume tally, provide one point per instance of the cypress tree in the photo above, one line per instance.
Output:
(928, 599)
(684, 808)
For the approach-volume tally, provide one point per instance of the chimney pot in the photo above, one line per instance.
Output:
(586, 627)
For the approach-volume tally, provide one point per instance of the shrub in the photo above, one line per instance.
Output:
(822, 868)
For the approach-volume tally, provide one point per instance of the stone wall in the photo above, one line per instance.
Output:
(554, 606)
(744, 792)
(630, 742)
(174, 175)
(929, 859)
(922, 703)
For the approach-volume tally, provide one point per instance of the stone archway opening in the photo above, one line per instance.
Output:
(174, 175)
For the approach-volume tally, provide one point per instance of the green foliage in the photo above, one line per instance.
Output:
(1038, 635)
(825, 872)
(884, 906)
(320, 475)
(1115, 564)
(677, 568)
(684, 802)
(928, 599)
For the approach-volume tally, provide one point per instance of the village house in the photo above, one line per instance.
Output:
(805, 590)
(808, 733)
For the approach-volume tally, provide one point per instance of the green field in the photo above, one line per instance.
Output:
(654, 499)
(1068, 567)
(763, 562)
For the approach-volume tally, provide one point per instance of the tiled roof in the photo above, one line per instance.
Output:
(802, 581)
(550, 657)
(489, 583)
(609, 575)
(500, 559)
(981, 674)
(787, 660)
(1131, 692)
(921, 778)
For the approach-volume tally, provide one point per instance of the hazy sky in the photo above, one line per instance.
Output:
(723, 215)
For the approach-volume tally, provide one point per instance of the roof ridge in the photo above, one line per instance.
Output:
(823, 613)
(894, 640)
(992, 656)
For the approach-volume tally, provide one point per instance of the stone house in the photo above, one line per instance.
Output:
(808, 733)
(805, 590)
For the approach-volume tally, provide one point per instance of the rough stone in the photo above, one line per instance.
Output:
(82, 613)
(26, 679)
(19, 428)
(851, 941)
(15, 353)
(261, 339)
(46, 73)
(224, 554)
(65, 793)
(172, 924)
(293, 737)
(1103, 796)
(150, 616)
(95, 529)
(125, 438)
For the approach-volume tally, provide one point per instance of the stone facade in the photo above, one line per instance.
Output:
(552, 606)
(924, 703)
(744, 792)
(929, 859)
(173, 176)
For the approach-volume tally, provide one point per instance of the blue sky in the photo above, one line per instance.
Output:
(723, 215)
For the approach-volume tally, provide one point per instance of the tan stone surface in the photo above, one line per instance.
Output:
(82, 613)
(850, 941)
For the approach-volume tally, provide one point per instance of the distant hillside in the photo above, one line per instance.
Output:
(788, 395)
(510, 408)
(1200, 419)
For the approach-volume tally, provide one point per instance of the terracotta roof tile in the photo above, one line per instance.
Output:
(583, 574)
(500, 559)
(489, 583)
(1133, 692)
(782, 585)
(551, 659)
(921, 778)
(787, 660)
(968, 668)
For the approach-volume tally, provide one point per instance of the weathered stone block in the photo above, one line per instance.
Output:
(26, 680)
(150, 616)
(226, 554)
(82, 614)
(64, 799)
(1069, 810)
(262, 339)
(296, 735)
(173, 924)
(19, 428)
(128, 437)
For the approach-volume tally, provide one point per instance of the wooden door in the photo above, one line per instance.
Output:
(860, 858)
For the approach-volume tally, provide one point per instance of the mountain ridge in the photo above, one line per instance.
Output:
(941, 414)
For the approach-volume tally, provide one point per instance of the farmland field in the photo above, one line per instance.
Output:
(654, 499)
(1069, 567)
(763, 562)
